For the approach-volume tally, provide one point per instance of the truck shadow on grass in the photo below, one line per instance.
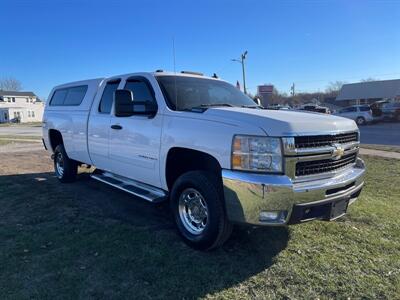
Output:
(86, 239)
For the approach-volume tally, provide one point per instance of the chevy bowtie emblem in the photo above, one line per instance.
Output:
(338, 152)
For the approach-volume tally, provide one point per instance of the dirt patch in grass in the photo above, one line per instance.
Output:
(88, 240)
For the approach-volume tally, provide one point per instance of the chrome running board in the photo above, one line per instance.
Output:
(139, 189)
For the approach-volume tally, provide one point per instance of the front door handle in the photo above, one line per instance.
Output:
(116, 127)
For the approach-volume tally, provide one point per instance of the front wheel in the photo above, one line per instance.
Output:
(197, 206)
(360, 121)
(64, 167)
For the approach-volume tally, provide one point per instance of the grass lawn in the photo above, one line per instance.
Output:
(381, 147)
(87, 240)
(20, 137)
(35, 124)
(4, 142)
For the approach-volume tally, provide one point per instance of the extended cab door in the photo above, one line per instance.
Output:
(99, 125)
(135, 140)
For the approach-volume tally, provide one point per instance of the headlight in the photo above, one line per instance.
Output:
(256, 153)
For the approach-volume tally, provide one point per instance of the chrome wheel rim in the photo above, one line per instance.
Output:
(193, 211)
(59, 164)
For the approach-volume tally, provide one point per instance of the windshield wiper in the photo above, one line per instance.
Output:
(214, 105)
(252, 106)
(203, 107)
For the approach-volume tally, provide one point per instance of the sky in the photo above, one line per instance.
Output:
(310, 43)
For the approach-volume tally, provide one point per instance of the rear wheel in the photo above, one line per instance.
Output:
(197, 206)
(64, 167)
(360, 121)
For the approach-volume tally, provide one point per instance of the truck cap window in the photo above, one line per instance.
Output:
(75, 95)
(108, 96)
(72, 96)
(58, 97)
(183, 93)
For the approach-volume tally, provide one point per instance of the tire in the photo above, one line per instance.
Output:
(193, 193)
(360, 121)
(64, 167)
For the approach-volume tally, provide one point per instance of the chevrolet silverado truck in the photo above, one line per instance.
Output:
(206, 148)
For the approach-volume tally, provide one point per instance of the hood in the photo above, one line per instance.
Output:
(285, 122)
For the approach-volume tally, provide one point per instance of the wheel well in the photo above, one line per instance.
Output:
(55, 138)
(182, 160)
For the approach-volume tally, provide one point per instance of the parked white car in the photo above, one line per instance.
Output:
(207, 148)
(362, 114)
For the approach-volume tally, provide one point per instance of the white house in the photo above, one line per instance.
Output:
(22, 106)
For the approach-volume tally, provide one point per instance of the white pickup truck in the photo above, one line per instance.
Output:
(207, 148)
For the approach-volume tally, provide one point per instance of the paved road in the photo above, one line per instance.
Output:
(381, 133)
(21, 130)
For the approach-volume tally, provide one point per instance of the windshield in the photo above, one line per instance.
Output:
(201, 92)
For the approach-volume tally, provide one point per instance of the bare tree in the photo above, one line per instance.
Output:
(334, 87)
(368, 79)
(10, 84)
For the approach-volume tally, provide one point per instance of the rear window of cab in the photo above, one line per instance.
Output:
(71, 96)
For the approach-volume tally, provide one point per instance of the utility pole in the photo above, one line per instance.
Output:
(241, 60)
(292, 89)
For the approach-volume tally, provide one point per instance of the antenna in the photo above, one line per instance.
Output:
(176, 90)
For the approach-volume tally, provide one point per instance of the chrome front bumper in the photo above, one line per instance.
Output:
(247, 195)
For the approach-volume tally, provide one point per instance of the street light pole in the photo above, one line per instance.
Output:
(242, 59)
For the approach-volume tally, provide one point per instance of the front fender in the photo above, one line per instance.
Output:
(193, 131)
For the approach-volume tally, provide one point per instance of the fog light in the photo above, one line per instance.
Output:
(277, 216)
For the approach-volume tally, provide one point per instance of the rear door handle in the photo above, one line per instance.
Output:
(116, 127)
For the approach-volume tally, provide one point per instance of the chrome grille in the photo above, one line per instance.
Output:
(324, 140)
(325, 165)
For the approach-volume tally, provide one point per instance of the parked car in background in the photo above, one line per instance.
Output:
(376, 109)
(316, 108)
(362, 114)
(278, 107)
(391, 111)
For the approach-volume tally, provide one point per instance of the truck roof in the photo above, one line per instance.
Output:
(80, 82)
(97, 81)
(182, 74)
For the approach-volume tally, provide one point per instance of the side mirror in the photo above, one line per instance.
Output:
(123, 103)
(125, 106)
